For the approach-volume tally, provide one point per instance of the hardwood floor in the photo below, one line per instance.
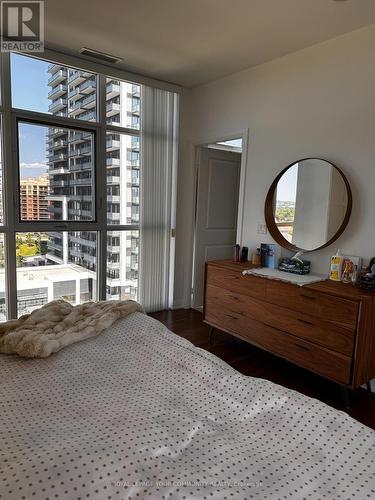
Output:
(255, 362)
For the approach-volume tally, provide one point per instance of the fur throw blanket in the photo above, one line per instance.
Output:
(59, 324)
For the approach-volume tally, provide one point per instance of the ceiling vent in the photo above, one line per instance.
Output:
(102, 56)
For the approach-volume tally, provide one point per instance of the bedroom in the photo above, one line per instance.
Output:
(104, 157)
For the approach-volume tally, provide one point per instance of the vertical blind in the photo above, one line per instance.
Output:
(158, 158)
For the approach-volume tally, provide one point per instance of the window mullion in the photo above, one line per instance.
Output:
(101, 191)
(9, 189)
(117, 129)
(53, 120)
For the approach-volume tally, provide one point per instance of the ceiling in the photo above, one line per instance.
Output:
(190, 42)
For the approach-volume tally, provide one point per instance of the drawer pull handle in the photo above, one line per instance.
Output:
(302, 347)
(231, 317)
(305, 322)
(309, 297)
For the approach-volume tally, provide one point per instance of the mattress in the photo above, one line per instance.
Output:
(139, 412)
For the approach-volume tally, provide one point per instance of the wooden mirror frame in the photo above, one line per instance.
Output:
(270, 218)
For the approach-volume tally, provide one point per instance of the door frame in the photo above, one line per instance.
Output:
(241, 196)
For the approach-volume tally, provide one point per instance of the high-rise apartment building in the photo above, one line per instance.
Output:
(71, 174)
(33, 198)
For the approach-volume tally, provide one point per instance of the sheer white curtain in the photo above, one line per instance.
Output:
(158, 172)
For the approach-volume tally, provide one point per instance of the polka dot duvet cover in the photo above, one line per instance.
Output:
(141, 413)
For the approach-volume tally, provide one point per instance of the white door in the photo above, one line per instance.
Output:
(216, 216)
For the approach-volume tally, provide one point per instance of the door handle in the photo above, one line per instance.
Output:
(308, 297)
(310, 323)
(231, 317)
(304, 348)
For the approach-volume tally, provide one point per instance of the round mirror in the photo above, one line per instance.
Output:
(308, 205)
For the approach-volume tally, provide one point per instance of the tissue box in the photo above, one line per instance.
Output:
(294, 266)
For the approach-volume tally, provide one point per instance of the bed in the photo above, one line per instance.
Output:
(139, 412)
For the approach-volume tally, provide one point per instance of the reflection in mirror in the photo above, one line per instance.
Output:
(310, 203)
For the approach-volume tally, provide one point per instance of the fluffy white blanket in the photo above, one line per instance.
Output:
(59, 324)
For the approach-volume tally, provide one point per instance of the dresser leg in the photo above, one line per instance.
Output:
(211, 334)
(368, 385)
(345, 395)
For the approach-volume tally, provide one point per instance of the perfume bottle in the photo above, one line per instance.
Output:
(244, 254)
(236, 256)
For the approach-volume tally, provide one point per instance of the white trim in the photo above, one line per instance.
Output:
(242, 188)
(224, 147)
(173, 207)
(194, 150)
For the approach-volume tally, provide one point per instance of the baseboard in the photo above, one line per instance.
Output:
(179, 304)
(199, 309)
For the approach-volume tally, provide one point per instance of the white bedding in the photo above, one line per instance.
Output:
(141, 413)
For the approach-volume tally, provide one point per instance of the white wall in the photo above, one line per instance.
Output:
(318, 102)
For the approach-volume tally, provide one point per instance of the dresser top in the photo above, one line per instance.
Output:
(344, 290)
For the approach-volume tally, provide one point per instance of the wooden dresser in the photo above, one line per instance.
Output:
(326, 327)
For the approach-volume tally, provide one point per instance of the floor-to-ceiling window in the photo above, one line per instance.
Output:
(70, 185)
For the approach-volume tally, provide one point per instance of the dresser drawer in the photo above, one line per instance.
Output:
(326, 307)
(233, 322)
(232, 302)
(234, 281)
(323, 361)
(313, 329)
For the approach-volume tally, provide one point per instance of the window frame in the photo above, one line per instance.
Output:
(17, 204)
(10, 118)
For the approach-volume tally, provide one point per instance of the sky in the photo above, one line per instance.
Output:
(287, 186)
(30, 91)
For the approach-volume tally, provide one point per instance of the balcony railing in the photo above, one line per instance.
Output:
(59, 144)
(61, 169)
(57, 91)
(76, 77)
(81, 151)
(57, 132)
(88, 102)
(112, 144)
(111, 179)
(112, 108)
(136, 90)
(136, 107)
(82, 241)
(79, 212)
(52, 68)
(82, 182)
(59, 183)
(134, 143)
(111, 216)
(113, 248)
(57, 105)
(78, 167)
(90, 116)
(112, 90)
(58, 157)
(57, 77)
(81, 197)
(77, 137)
(112, 198)
(113, 162)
